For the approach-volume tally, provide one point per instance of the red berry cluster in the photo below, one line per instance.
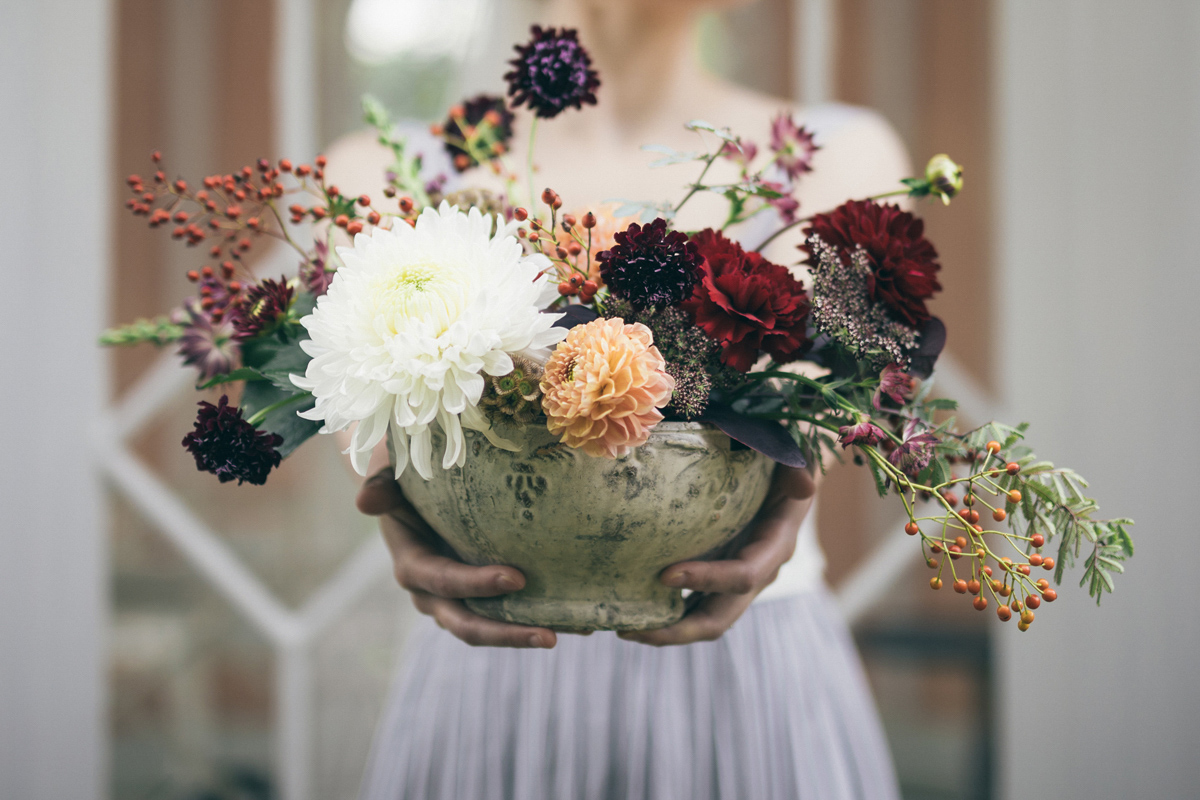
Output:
(572, 254)
(235, 209)
(1014, 591)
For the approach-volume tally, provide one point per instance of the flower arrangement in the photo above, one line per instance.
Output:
(473, 310)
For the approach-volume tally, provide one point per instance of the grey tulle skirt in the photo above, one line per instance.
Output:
(777, 708)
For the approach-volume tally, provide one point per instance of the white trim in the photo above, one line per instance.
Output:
(54, 217)
(815, 34)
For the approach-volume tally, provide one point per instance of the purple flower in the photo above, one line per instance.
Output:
(651, 266)
(552, 73)
(740, 152)
(230, 447)
(785, 204)
(265, 305)
(436, 185)
(793, 146)
(207, 346)
(861, 433)
(896, 384)
(314, 274)
(915, 451)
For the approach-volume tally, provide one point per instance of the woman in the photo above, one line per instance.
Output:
(760, 694)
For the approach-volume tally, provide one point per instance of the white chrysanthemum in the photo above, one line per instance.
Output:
(411, 320)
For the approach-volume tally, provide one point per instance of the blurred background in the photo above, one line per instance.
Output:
(163, 636)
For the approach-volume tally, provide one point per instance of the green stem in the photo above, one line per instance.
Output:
(262, 413)
(699, 184)
(529, 165)
(802, 220)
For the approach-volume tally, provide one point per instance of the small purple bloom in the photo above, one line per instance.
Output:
(208, 346)
(786, 204)
(896, 384)
(314, 274)
(915, 451)
(552, 73)
(436, 185)
(862, 433)
(793, 146)
(740, 152)
(230, 447)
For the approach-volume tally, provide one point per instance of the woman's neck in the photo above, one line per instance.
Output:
(643, 52)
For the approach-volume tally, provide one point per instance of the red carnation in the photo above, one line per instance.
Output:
(747, 303)
(904, 264)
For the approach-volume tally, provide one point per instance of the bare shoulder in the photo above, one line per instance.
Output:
(861, 153)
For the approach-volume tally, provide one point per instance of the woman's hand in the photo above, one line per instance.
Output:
(438, 583)
(730, 586)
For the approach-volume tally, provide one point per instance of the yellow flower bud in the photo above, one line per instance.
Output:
(944, 176)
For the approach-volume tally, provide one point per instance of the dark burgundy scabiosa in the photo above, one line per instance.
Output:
(474, 112)
(650, 265)
(747, 304)
(903, 263)
(860, 433)
(793, 146)
(262, 308)
(230, 447)
(208, 346)
(915, 451)
(552, 73)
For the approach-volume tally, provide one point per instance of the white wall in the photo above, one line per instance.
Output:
(1100, 214)
(53, 213)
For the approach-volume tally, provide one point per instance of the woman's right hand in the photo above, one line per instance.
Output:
(439, 583)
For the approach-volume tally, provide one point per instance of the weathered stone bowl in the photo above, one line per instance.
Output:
(592, 534)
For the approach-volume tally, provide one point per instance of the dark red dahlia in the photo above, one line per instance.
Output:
(552, 73)
(230, 447)
(473, 113)
(904, 264)
(650, 265)
(748, 304)
(265, 305)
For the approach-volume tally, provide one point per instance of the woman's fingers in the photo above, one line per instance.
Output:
(791, 483)
(380, 494)
(772, 542)
(419, 568)
(477, 631)
(707, 622)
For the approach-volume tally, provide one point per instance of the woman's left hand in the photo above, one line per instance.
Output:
(730, 586)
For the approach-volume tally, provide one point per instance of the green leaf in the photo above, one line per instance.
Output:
(243, 374)
(939, 472)
(284, 421)
(671, 155)
(941, 404)
(1042, 492)
(277, 351)
(701, 125)
(880, 483)
(303, 305)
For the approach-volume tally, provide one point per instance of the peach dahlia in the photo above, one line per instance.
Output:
(603, 387)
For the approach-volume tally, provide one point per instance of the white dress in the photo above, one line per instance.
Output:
(776, 709)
